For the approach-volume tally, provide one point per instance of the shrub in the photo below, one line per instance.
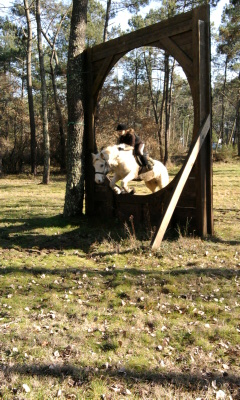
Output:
(225, 153)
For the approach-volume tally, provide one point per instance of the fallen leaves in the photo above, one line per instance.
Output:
(120, 390)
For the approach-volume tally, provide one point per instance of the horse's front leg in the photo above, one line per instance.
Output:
(113, 186)
(128, 179)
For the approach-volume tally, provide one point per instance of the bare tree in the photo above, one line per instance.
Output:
(53, 68)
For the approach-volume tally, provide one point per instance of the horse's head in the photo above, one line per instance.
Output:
(101, 167)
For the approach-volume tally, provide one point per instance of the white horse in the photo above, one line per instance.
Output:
(120, 160)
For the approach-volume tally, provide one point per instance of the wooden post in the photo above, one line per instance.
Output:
(89, 136)
(204, 215)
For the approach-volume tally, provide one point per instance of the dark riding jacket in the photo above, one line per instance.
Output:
(132, 140)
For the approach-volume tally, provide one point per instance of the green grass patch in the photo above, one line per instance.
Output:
(90, 312)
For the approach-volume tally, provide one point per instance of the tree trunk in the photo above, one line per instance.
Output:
(46, 167)
(105, 33)
(149, 79)
(170, 101)
(160, 130)
(59, 117)
(158, 119)
(30, 94)
(166, 63)
(237, 132)
(223, 99)
(75, 99)
(55, 94)
(136, 87)
(238, 126)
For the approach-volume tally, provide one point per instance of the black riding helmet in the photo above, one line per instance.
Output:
(121, 127)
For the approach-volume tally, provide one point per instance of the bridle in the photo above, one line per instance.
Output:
(105, 170)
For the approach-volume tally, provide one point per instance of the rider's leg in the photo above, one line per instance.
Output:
(145, 162)
(141, 148)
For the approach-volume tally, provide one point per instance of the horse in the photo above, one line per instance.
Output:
(120, 160)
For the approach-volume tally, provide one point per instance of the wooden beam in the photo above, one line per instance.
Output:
(106, 65)
(175, 51)
(170, 207)
(142, 37)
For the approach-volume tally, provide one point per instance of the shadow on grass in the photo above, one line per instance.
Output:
(82, 232)
(84, 374)
(216, 239)
(114, 274)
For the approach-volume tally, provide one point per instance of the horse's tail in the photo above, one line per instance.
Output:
(164, 176)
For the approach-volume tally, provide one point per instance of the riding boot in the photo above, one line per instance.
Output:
(145, 164)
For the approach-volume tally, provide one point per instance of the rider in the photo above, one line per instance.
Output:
(128, 136)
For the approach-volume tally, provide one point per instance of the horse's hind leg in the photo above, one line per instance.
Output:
(152, 185)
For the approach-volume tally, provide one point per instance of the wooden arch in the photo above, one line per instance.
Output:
(188, 197)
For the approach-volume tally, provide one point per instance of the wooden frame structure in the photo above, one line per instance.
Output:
(188, 197)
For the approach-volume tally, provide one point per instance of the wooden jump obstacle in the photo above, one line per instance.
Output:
(188, 197)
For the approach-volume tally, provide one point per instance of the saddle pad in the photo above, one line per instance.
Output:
(147, 176)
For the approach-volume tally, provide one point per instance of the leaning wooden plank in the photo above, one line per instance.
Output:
(197, 144)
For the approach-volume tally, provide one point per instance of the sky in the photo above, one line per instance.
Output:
(215, 16)
(123, 17)
(217, 13)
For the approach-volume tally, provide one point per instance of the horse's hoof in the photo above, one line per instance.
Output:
(117, 191)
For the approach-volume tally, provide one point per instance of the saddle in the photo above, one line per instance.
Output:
(146, 171)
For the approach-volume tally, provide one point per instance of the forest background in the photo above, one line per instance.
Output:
(147, 89)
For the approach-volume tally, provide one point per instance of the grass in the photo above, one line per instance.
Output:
(90, 312)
